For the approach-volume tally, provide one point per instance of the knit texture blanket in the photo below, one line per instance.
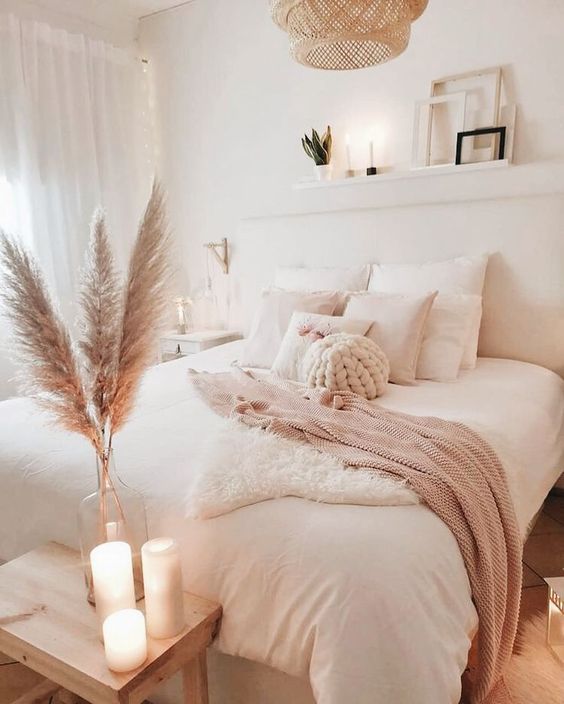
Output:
(456, 473)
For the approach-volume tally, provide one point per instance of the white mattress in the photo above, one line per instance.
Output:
(371, 603)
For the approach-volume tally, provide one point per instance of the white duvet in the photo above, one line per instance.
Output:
(372, 603)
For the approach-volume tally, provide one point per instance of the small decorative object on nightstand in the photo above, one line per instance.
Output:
(556, 615)
(46, 624)
(182, 314)
(173, 345)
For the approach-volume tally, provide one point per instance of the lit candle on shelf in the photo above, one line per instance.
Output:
(371, 170)
(112, 575)
(125, 641)
(162, 580)
(350, 171)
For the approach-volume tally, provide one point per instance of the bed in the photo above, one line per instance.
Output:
(326, 601)
(373, 600)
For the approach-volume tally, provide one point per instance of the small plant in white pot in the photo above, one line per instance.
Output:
(319, 149)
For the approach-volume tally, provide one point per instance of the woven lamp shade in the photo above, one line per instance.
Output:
(346, 34)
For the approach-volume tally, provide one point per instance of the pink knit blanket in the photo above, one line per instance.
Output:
(455, 472)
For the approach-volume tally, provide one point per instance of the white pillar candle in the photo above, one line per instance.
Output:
(162, 581)
(348, 148)
(125, 641)
(112, 575)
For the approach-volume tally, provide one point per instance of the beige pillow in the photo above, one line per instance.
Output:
(305, 329)
(398, 325)
(444, 340)
(271, 321)
(463, 275)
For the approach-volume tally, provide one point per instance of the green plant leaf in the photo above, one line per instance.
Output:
(307, 149)
(328, 142)
(319, 150)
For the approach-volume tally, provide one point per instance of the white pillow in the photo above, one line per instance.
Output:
(271, 321)
(463, 275)
(470, 354)
(446, 333)
(301, 278)
(398, 322)
(305, 329)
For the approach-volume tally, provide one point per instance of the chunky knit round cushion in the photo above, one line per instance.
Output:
(343, 362)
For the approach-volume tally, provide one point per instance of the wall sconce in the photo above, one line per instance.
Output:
(555, 635)
(220, 252)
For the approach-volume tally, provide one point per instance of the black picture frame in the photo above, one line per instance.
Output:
(501, 131)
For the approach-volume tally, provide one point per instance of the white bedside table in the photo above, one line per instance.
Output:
(172, 345)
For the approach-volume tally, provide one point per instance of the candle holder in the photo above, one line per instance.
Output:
(349, 173)
(113, 512)
(371, 171)
(183, 323)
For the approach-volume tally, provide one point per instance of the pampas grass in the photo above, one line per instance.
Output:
(49, 371)
(144, 306)
(91, 393)
(100, 302)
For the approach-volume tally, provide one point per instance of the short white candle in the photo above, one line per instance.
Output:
(112, 575)
(162, 581)
(125, 641)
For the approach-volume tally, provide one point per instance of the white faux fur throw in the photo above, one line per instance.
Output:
(244, 465)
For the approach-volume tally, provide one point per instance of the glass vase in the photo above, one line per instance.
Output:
(113, 512)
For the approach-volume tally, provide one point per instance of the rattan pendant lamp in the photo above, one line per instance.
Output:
(346, 34)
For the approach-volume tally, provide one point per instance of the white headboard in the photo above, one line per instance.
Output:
(524, 291)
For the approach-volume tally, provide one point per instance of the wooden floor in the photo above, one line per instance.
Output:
(543, 557)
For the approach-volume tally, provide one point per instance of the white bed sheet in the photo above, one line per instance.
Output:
(372, 603)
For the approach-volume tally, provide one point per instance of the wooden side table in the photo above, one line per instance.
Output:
(47, 624)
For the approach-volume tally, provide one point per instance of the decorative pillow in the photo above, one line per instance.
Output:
(470, 354)
(271, 321)
(345, 362)
(305, 329)
(446, 333)
(398, 325)
(302, 278)
(463, 275)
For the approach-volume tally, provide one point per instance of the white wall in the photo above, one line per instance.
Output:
(231, 106)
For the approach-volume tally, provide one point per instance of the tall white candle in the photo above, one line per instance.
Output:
(125, 641)
(371, 150)
(348, 147)
(112, 575)
(162, 581)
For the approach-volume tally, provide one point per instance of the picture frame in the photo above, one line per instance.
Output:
(501, 131)
(483, 90)
(424, 129)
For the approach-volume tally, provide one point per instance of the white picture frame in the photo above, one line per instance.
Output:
(483, 98)
(424, 130)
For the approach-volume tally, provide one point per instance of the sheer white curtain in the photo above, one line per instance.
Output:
(74, 135)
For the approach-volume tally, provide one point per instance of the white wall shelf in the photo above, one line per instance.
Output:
(422, 172)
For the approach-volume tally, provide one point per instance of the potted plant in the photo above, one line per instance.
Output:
(319, 149)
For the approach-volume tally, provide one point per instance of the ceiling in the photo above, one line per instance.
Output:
(142, 8)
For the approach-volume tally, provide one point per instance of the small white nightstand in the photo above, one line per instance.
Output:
(172, 345)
